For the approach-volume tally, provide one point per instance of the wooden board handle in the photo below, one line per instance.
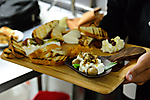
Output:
(128, 53)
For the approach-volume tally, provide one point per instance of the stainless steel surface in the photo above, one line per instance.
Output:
(53, 4)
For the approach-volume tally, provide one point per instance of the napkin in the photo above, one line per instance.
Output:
(88, 18)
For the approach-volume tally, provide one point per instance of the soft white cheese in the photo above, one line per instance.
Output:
(84, 67)
(107, 47)
(99, 67)
(31, 48)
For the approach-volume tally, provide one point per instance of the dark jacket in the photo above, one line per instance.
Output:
(128, 17)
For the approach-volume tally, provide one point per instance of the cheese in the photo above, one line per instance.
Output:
(72, 37)
(84, 67)
(107, 47)
(30, 48)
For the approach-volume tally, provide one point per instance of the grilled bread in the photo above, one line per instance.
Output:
(57, 33)
(44, 30)
(85, 40)
(6, 31)
(16, 48)
(5, 34)
(94, 32)
(8, 53)
(3, 39)
(43, 51)
(49, 55)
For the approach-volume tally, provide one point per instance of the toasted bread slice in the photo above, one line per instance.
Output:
(85, 40)
(4, 39)
(16, 48)
(49, 55)
(41, 52)
(6, 31)
(8, 53)
(44, 30)
(51, 58)
(94, 32)
(46, 62)
(57, 33)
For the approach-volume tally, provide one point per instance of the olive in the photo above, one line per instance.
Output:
(92, 71)
(39, 41)
(113, 43)
(25, 42)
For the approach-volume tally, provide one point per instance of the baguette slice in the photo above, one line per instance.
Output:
(57, 33)
(16, 48)
(8, 53)
(49, 55)
(6, 31)
(85, 40)
(94, 32)
(51, 58)
(41, 52)
(44, 30)
(46, 62)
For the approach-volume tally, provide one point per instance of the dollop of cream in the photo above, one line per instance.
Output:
(107, 47)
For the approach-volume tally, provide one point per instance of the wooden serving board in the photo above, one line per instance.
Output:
(103, 85)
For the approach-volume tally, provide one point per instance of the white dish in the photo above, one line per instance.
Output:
(17, 33)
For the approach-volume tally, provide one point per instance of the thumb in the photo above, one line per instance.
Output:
(141, 65)
(133, 72)
(129, 76)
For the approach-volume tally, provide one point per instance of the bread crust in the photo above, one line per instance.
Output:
(16, 49)
(57, 33)
(46, 62)
(43, 51)
(44, 30)
(8, 53)
(85, 40)
(49, 55)
(16, 53)
(10, 56)
(94, 32)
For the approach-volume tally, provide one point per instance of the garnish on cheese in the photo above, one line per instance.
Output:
(32, 44)
(88, 63)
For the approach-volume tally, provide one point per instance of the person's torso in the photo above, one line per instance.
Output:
(137, 22)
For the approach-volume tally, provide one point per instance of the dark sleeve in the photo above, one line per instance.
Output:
(113, 20)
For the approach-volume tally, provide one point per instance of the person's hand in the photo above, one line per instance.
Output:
(140, 73)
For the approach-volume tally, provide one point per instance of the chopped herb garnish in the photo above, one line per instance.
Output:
(76, 65)
(110, 65)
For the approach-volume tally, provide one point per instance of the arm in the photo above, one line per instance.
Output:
(140, 73)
